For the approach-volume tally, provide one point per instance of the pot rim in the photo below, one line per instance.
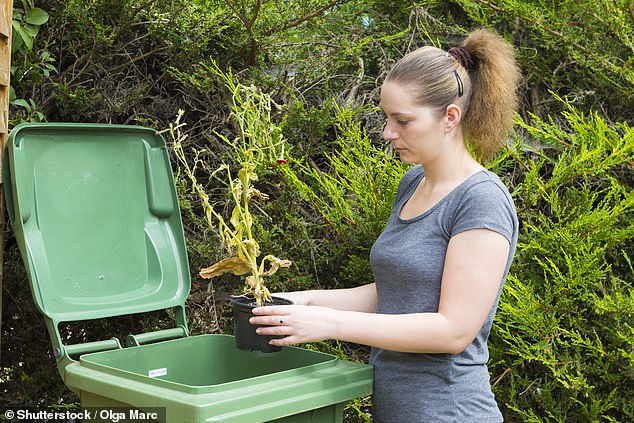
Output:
(244, 301)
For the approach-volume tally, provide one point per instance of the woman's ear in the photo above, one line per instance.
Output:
(453, 116)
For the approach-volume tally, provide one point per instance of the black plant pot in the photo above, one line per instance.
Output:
(246, 337)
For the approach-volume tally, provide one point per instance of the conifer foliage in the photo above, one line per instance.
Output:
(562, 340)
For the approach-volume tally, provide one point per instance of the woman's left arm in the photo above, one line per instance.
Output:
(474, 266)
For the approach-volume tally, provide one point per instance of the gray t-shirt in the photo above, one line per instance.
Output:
(407, 261)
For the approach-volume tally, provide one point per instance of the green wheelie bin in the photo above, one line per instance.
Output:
(95, 213)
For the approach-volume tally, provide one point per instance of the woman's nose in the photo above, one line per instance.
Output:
(388, 133)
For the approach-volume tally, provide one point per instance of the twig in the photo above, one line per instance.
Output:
(303, 19)
(136, 59)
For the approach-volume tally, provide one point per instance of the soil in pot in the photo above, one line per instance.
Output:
(246, 337)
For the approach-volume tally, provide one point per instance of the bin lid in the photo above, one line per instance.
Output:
(95, 213)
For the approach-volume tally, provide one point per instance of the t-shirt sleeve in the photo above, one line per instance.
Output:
(485, 205)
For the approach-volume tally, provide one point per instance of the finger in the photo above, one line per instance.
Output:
(274, 330)
(269, 310)
(276, 320)
(284, 342)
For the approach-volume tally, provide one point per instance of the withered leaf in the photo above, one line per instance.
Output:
(234, 265)
(275, 264)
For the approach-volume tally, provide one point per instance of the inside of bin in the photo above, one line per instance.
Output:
(89, 214)
(204, 363)
(96, 215)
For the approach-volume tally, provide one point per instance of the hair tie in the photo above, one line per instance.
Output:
(463, 56)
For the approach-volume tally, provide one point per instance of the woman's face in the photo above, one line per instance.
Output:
(415, 131)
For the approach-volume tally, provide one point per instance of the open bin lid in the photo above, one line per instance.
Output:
(96, 216)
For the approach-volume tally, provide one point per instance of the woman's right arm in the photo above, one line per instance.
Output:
(361, 298)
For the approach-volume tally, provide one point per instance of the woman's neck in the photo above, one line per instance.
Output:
(452, 166)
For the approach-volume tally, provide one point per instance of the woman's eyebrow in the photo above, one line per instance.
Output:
(399, 114)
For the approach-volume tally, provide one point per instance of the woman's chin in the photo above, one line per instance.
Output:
(405, 158)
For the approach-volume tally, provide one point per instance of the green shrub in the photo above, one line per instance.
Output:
(562, 343)
(353, 193)
(31, 64)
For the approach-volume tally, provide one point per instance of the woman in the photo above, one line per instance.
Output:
(441, 262)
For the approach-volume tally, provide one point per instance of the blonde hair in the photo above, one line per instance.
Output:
(481, 77)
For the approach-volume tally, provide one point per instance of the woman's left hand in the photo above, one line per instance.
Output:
(297, 323)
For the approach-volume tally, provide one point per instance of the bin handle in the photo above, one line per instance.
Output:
(156, 336)
(89, 347)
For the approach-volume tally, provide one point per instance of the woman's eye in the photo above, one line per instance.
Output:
(401, 122)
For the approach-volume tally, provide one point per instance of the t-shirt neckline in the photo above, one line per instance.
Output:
(430, 210)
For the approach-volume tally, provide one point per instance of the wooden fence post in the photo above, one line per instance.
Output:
(6, 15)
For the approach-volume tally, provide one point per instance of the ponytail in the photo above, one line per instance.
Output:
(494, 78)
